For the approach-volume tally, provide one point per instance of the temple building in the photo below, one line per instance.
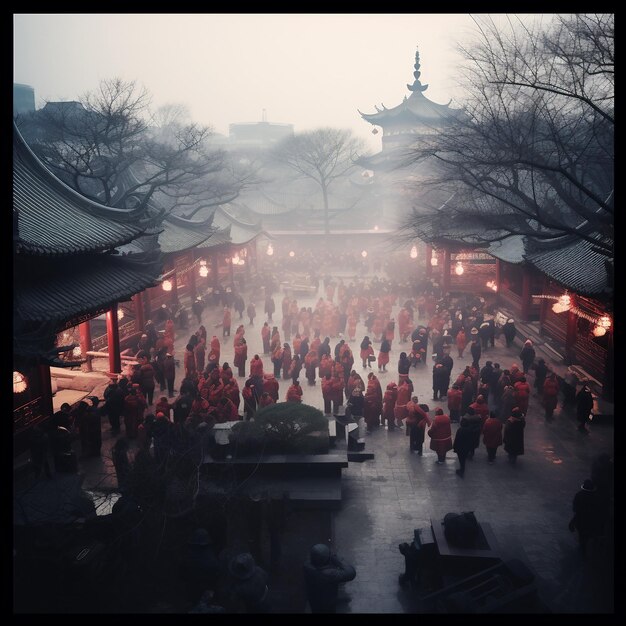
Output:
(67, 269)
(395, 178)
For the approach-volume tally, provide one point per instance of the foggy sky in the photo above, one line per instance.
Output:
(309, 70)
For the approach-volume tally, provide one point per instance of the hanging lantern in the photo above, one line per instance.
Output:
(235, 259)
(413, 253)
(77, 352)
(204, 271)
(270, 249)
(202, 262)
(292, 253)
(19, 382)
(565, 302)
(599, 331)
(241, 262)
(120, 314)
(433, 259)
(364, 253)
(557, 307)
(604, 322)
(459, 269)
(167, 285)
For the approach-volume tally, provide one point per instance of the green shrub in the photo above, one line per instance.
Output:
(282, 428)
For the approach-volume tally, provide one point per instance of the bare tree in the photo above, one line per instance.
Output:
(107, 147)
(323, 156)
(533, 150)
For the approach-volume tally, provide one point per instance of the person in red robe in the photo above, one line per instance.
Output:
(373, 402)
(294, 393)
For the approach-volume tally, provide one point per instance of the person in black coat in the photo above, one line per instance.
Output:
(584, 405)
(476, 351)
(513, 437)
(199, 565)
(448, 362)
(247, 590)
(323, 572)
(474, 423)
(324, 348)
(114, 405)
(541, 371)
(527, 355)
(441, 380)
(509, 332)
(589, 515)
(463, 444)
(404, 365)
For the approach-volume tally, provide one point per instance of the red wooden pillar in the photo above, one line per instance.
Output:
(231, 271)
(248, 264)
(570, 333)
(174, 294)
(445, 282)
(147, 307)
(139, 319)
(113, 339)
(429, 265)
(543, 307)
(192, 277)
(215, 269)
(84, 330)
(526, 295)
(498, 270)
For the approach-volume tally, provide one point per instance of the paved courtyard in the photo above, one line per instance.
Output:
(528, 505)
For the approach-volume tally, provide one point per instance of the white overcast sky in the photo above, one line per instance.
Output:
(309, 70)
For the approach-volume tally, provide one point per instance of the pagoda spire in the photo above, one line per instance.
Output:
(417, 85)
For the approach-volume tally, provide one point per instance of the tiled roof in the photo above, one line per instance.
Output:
(574, 264)
(53, 219)
(240, 232)
(511, 249)
(218, 238)
(64, 287)
(416, 107)
(179, 235)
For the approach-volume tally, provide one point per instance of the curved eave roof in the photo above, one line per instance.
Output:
(575, 266)
(510, 250)
(219, 237)
(431, 229)
(416, 107)
(53, 219)
(62, 288)
(240, 232)
(179, 235)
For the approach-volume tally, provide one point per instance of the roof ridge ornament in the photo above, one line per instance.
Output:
(417, 85)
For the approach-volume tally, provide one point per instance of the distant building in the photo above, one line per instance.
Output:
(396, 181)
(415, 117)
(259, 134)
(23, 98)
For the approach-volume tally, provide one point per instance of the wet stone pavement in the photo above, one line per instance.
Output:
(528, 505)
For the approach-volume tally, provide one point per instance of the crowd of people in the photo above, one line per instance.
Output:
(299, 347)
(488, 400)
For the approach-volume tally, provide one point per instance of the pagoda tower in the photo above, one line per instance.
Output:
(415, 116)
